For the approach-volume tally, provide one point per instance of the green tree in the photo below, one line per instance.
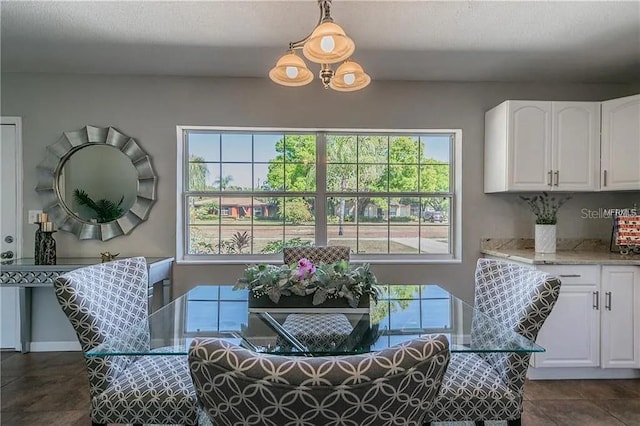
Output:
(293, 168)
(198, 173)
(223, 182)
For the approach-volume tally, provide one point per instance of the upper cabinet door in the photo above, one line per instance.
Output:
(529, 145)
(620, 166)
(576, 146)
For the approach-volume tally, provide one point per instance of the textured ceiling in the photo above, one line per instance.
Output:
(401, 40)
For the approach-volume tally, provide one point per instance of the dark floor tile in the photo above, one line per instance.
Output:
(551, 389)
(46, 393)
(625, 410)
(576, 413)
(44, 363)
(5, 380)
(533, 416)
(7, 354)
(607, 389)
(49, 418)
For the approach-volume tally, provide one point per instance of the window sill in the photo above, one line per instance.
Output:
(277, 262)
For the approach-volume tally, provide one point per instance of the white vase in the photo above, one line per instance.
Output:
(545, 238)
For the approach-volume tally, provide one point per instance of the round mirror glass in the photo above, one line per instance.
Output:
(98, 183)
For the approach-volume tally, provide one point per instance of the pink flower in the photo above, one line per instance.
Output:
(305, 268)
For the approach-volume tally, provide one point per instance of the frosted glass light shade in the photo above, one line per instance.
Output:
(349, 77)
(284, 72)
(318, 48)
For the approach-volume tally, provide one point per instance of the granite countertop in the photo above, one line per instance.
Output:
(569, 252)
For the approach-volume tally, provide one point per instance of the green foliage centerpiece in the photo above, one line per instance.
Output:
(323, 282)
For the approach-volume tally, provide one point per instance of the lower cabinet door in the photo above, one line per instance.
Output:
(620, 317)
(571, 333)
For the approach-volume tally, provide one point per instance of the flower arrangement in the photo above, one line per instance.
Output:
(545, 208)
(323, 281)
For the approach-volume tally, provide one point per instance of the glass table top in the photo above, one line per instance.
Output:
(402, 313)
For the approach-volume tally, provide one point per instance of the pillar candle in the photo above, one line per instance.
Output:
(42, 217)
(47, 227)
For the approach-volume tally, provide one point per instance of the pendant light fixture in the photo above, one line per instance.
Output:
(326, 45)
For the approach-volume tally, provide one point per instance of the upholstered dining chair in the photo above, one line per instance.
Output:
(316, 254)
(489, 386)
(394, 386)
(100, 301)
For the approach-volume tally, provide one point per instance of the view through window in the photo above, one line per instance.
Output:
(254, 192)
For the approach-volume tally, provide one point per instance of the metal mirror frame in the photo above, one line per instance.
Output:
(49, 173)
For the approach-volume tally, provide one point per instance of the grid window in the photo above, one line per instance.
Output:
(252, 193)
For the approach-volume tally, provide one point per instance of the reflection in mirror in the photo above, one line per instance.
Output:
(98, 183)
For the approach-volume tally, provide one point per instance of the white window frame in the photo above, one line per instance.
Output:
(455, 219)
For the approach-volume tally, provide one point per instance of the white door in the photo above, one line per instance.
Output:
(576, 145)
(571, 333)
(621, 144)
(621, 317)
(10, 221)
(529, 135)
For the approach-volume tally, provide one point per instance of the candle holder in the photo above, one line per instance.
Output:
(47, 249)
(38, 241)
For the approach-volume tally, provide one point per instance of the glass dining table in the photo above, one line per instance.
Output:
(403, 312)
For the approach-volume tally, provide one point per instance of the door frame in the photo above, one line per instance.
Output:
(17, 121)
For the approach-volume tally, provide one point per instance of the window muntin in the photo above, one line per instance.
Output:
(382, 194)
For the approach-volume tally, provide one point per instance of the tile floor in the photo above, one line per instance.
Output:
(51, 389)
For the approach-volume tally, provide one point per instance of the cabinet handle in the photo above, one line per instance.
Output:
(550, 178)
(605, 179)
(607, 300)
(569, 275)
(596, 300)
(557, 176)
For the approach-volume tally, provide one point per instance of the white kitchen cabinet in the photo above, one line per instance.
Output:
(620, 144)
(571, 333)
(596, 321)
(542, 146)
(620, 317)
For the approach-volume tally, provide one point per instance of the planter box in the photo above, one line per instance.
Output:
(293, 301)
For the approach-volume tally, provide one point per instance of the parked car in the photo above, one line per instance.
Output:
(433, 216)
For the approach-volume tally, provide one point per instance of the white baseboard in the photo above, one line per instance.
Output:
(55, 346)
(569, 373)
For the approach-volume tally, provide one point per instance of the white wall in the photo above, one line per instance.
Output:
(148, 108)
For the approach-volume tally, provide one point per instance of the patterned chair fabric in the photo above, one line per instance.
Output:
(318, 332)
(329, 254)
(489, 386)
(395, 386)
(102, 300)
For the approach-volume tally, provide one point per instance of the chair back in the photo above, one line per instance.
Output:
(396, 385)
(101, 301)
(328, 254)
(521, 299)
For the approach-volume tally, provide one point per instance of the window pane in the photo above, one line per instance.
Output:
(403, 149)
(341, 210)
(297, 211)
(404, 238)
(202, 176)
(436, 313)
(236, 239)
(203, 240)
(300, 177)
(341, 177)
(373, 237)
(373, 149)
(341, 149)
(436, 147)
(235, 177)
(300, 149)
(203, 146)
(403, 178)
(232, 315)
(434, 231)
(345, 235)
(237, 147)
(203, 210)
(434, 178)
(264, 148)
(372, 177)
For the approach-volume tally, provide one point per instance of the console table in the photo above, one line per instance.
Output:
(26, 275)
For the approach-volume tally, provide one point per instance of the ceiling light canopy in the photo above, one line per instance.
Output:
(327, 44)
